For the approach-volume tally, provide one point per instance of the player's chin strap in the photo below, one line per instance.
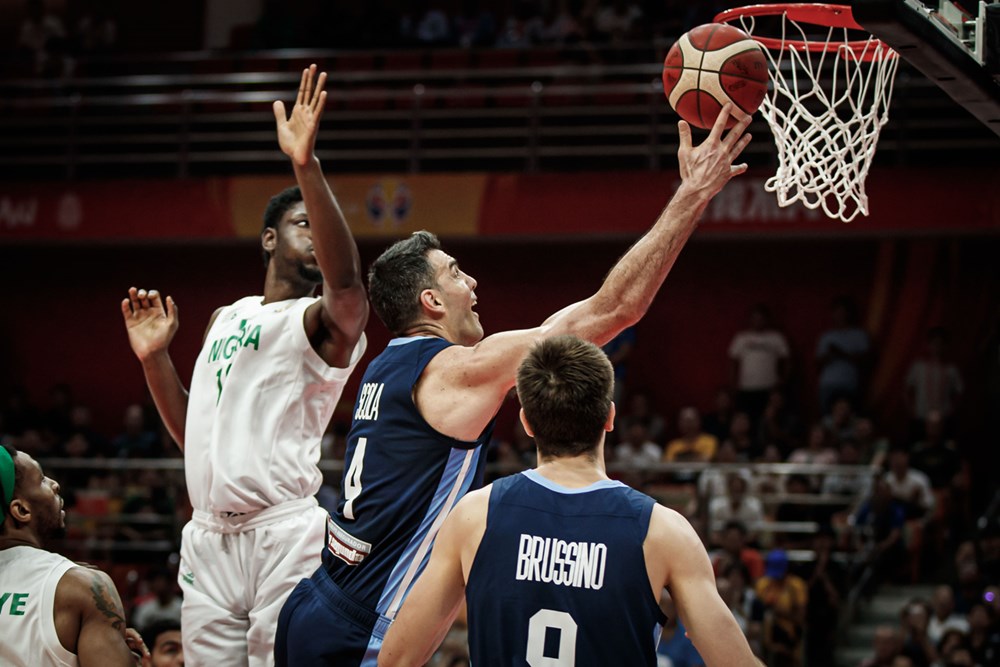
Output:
(6, 480)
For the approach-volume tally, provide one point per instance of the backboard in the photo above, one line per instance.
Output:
(955, 45)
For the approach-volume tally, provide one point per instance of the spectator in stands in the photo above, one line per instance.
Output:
(778, 425)
(561, 27)
(96, 30)
(818, 449)
(618, 350)
(135, 441)
(793, 510)
(736, 505)
(733, 549)
(523, 28)
(163, 638)
(640, 409)
(735, 586)
(842, 354)
(475, 26)
(741, 435)
(914, 618)
(910, 487)
(19, 414)
(81, 421)
(938, 458)
(933, 382)
(950, 642)
(984, 636)
(826, 581)
(759, 357)
(841, 422)
(769, 482)
(845, 484)
(887, 644)
(878, 526)
(618, 22)
(56, 423)
(873, 447)
(785, 598)
(432, 27)
(712, 482)
(675, 649)
(943, 616)
(42, 39)
(162, 604)
(636, 448)
(693, 444)
(717, 421)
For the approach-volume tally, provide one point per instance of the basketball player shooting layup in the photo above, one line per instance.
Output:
(264, 388)
(427, 404)
(564, 548)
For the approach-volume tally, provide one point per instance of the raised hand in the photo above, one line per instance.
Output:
(297, 133)
(709, 166)
(149, 324)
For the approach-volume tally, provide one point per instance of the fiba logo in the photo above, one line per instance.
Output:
(389, 201)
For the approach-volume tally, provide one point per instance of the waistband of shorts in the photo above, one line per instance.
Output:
(364, 616)
(238, 523)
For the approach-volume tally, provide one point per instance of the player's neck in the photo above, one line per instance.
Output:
(19, 539)
(573, 472)
(425, 328)
(280, 289)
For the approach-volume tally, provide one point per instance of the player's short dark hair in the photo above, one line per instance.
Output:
(565, 386)
(152, 631)
(277, 206)
(398, 276)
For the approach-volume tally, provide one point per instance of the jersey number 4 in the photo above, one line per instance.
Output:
(352, 482)
(538, 627)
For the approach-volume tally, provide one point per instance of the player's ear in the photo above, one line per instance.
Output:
(527, 427)
(429, 301)
(269, 239)
(609, 425)
(19, 510)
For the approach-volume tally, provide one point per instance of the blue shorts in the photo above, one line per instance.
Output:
(322, 625)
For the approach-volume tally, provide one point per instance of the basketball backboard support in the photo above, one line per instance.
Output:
(957, 50)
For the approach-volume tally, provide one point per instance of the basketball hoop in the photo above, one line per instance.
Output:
(829, 98)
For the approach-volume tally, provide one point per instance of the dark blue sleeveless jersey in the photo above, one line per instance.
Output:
(401, 479)
(560, 577)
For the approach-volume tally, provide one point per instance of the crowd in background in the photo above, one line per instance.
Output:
(786, 547)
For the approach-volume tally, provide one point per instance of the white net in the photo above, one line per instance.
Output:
(826, 108)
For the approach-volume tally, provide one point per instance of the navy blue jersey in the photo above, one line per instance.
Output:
(401, 479)
(560, 577)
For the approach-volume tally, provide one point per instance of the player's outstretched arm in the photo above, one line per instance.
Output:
(486, 372)
(343, 310)
(151, 323)
(673, 545)
(431, 607)
(89, 611)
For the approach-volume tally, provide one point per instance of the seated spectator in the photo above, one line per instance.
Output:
(826, 581)
(712, 482)
(162, 604)
(841, 422)
(910, 487)
(163, 639)
(640, 409)
(878, 526)
(717, 421)
(950, 642)
(769, 482)
(916, 644)
(745, 605)
(736, 505)
(733, 549)
(96, 29)
(846, 484)
(818, 449)
(791, 510)
(637, 449)
(523, 28)
(887, 644)
(785, 598)
(475, 26)
(674, 646)
(943, 616)
(42, 37)
(561, 27)
(693, 444)
(874, 448)
(747, 446)
(778, 425)
(984, 636)
(136, 441)
(618, 22)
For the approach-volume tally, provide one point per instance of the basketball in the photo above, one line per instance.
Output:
(711, 65)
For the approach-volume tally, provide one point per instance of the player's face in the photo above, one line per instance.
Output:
(167, 651)
(457, 291)
(294, 248)
(42, 495)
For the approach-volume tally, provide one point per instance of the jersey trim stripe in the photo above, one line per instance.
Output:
(455, 482)
(558, 488)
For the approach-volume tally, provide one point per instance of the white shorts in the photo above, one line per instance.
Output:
(236, 574)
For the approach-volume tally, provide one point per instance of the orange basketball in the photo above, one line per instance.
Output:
(711, 65)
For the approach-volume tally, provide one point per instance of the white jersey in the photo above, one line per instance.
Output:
(28, 580)
(260, 400)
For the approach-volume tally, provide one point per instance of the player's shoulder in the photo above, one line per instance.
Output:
(475, 503)
(81, 586)
(669, 529)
